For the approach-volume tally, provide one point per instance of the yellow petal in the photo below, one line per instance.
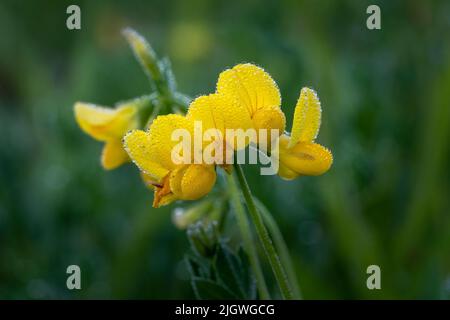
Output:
(305, 158)
(113, 155)
(163, 200)
(250, 86)
(209, 110)
(286, 173)
(152, 151)
(216, 111)
(163, 195)
(186, 182)
(307, 117)
(161, 143)
(105, 123)
(198, 181)
(176, 176)
(269, 119)
(137, 145)
(192, 181)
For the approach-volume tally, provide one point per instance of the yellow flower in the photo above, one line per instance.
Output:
(216, 113)
(151, 151)
(246, 97)
(299, 155)
(250, 87)
(108, 125)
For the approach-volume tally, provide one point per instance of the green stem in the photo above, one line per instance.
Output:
(245, 230)
(269, 249)
(281, 246)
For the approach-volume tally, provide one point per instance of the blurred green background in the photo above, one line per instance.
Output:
(385, 96)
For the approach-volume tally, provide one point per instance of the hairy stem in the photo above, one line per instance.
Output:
(263, 234)
(281, 246)
(246, 233)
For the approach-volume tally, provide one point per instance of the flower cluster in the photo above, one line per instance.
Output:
(246, 97)
(244, 110)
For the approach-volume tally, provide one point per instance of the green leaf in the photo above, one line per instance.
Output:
(198, 267)
(227, 267)
(208, 289)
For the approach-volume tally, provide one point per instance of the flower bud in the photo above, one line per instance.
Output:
(203, 238)
(183, 217)
(143, 52)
